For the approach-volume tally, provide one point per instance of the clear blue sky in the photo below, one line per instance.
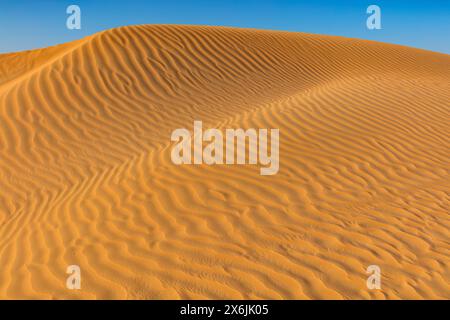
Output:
(29, 24)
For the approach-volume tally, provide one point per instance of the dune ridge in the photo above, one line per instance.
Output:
(86, 175)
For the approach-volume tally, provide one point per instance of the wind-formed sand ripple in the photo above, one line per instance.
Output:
(86, 176)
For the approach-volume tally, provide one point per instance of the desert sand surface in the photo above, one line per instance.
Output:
(87, 178)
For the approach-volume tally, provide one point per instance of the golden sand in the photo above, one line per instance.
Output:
(86, 176)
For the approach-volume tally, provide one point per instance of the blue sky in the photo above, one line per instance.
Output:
(29, 24)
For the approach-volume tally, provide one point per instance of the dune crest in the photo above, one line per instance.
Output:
(87, 178)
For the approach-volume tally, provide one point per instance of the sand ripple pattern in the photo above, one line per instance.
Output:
(86, 176)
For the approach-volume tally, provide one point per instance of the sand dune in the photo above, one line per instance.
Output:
(86, 175)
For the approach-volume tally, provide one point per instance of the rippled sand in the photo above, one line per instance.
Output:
(86, 176)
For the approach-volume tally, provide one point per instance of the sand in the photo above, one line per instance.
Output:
(86, 176)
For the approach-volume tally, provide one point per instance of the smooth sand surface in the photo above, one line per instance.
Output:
(86, 176)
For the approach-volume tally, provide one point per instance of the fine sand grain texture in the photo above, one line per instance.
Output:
(86, 176)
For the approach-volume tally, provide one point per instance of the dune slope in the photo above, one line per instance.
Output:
(87, 179)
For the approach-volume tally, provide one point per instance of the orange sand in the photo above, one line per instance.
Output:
(86, 176)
